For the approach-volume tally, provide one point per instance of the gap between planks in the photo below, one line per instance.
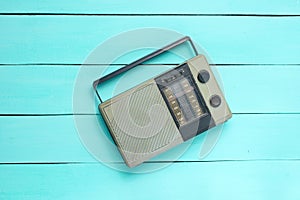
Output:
(87, 114)
(151, 162)
(122, 64)
(157, 14)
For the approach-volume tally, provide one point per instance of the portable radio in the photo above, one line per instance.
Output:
(164, 111)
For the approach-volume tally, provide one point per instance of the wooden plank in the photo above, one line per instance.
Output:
(153, 7)
(69, 39)
(55, 139)
(241, 180)
(33, 88)
(49, 89)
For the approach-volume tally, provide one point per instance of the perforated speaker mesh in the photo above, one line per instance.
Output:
(141, 123)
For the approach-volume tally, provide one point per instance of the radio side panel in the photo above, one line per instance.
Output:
(209, 89)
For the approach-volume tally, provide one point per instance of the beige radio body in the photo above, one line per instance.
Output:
(165, 111)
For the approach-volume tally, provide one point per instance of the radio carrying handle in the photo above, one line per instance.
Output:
(140, 61)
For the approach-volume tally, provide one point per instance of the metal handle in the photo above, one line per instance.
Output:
(140, 61)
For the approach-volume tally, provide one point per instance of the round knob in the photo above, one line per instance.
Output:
(203, 76)
(215, 101)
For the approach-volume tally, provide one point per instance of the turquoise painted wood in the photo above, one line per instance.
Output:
(49, 89)
(244, 137)
(230, 180)
(228, 40)
(151, 7)
(257, 155)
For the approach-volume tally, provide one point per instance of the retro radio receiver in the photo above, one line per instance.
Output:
(164, 111)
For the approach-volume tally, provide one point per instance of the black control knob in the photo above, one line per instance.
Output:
(215, 101)
(203, 76)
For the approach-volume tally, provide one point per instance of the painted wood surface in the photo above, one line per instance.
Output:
(241, 180)
(227, 40)
(55, 139)
(289, 7)
(255, 45)
(49, 89)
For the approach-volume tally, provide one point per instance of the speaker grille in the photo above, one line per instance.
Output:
(141, 123)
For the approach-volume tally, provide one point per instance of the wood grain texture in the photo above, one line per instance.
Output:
(230, 180)
(153, 7)
(228, 40)
(43, 44)
(55, 139)
(49, 89)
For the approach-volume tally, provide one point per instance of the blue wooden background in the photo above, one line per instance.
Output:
(256, 46)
